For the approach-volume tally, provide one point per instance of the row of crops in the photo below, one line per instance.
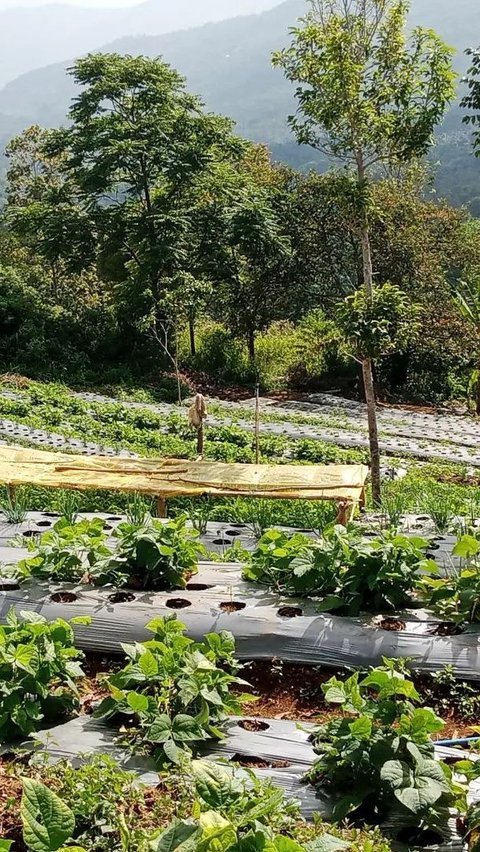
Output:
(170, 701)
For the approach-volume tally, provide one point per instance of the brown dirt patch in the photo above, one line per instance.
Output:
(10, 795)
(287, 691)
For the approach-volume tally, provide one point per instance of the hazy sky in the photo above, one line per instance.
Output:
(12, 4)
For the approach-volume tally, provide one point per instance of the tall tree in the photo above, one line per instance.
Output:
(368, 96)
(141, 151)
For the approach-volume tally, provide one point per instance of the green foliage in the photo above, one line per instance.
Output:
(348, 572)
(68, 552)
(457, 596)
(378, 757)
(47, 821)
(361, 86)
(154, 555)
(38, 669)
(445, 693)
(175, 692)
(378, 324)
(148, 553)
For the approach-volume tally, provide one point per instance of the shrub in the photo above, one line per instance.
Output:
(175, 692)
(38, 669)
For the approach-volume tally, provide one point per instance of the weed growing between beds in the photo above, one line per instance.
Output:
(102, 808)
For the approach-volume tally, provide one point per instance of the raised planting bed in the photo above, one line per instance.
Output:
(273, 749)
(267, 626)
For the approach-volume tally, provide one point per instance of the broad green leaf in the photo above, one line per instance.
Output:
(172, 751)
(138, 702)
(5, 845)
(218, 833)
(361, 728)
(148, 664)
(410, 799)
(215, 785)
(46, 819)
(180, 835)
(24, 657)
(396, 774)
(186, 728)
(335, 695)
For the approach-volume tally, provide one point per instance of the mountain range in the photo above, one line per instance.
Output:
(227, 62)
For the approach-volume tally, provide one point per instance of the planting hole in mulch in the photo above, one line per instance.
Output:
(223, 541)
(198, 587)
(30, 533)
(289, 611)
(447, 628)
(108, 527)
(423, 518)
(63, 597)
(433, 546)
(50, 514)
(44, 524)
(414, 836)
(392, 624)
(114, 518)
(239, 526)
(178, 603)
(232, 606)
(121, 597)
(253, 725)
(259, 762)
(233, 532)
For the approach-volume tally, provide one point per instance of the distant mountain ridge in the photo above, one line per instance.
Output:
(41, 35)
(228, 64)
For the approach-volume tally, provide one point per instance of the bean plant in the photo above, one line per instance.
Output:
(378, 757)
(457, 596)
(68, 552)
(174, 692)
(39, 667)
(348, 572)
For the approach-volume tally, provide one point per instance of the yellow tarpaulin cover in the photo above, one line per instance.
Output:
(177, 477)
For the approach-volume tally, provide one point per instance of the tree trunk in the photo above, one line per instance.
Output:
(251, 346)
(366, 362)
(372, 430)
(191, 331)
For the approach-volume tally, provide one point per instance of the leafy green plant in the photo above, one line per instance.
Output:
(349, 572)
(457, 597)
(154, 555)
(38, 669)
(378, 757)
(175, 692)
(69, 551)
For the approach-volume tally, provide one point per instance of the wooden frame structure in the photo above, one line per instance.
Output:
(167, 478)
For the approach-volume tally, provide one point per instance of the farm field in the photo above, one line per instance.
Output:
(240, 443)
(393, 598)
